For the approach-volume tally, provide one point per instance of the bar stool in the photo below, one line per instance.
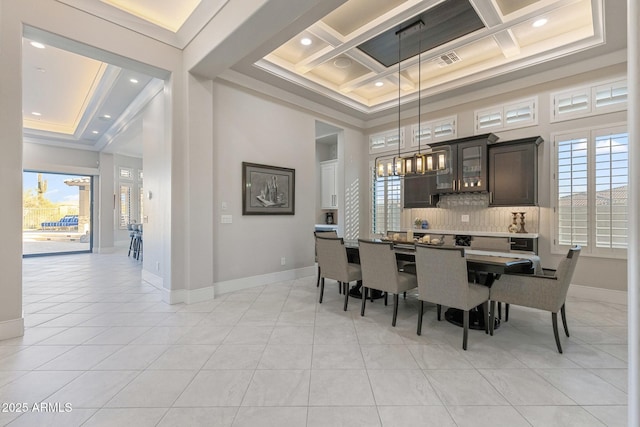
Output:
(137, 241)
(132, 235)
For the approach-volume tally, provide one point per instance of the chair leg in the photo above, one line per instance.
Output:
(405, 294)
(318, 281)
(439, 311)
(465, 332)
(485, 306)
(499, 310)
(554, 319)
(395, 309)
(385, 298)
(564, 320)
(492, 317)
(345, 289)
(321, 289)
(420, 313)
(130, 247)
(506, 312)
(364, 300)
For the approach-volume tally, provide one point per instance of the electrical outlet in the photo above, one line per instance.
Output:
(464, 218)
(283, 261)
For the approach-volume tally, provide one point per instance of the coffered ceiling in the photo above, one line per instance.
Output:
(462, 41)
(345, 60)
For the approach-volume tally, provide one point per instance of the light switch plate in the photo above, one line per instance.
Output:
(464, 218)
(226, 219)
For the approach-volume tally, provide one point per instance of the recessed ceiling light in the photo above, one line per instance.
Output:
(379, 84)
(37, 45)
(134, 81)
(35, 113)
(342, 62)
(42, 70)
(540, 22)
(106, 116)
(306, 41)
(94, 132)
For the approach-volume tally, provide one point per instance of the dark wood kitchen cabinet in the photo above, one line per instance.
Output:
(513, 172)
(466, 165)
(420, 191)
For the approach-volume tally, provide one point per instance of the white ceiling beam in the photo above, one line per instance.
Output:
(488, 11)
(371, 29)
(507, 42)
(326, 33)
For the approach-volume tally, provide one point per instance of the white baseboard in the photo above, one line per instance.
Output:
(186, 296)
(105, 250)
(598, 294)
(261, 280)
(11, 328)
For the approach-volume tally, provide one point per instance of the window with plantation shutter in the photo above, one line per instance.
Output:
(591, 187)
(434, 130)
(125, 205)
(386, 141)
(598, 98)
(511, 115)
(386, 206)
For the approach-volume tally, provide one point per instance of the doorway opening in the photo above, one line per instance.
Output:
(56, 214)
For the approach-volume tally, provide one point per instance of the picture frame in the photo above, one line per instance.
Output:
(267, 190)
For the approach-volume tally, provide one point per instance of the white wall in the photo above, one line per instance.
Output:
(252, 128)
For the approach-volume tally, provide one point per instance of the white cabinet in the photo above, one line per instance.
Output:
(329, 184)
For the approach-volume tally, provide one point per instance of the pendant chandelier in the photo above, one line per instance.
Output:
(419, 163)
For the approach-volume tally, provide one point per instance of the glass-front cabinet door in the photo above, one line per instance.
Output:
(445, 161)
(472, 167)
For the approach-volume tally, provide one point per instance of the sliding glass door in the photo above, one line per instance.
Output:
(56, 213)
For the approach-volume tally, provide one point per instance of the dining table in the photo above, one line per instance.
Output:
(484, 267)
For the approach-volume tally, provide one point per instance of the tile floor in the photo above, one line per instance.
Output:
(105, 345)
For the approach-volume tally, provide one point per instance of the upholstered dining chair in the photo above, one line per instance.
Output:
(334, 264)
(330, 233)
(380, 271)
(443, 280)
(547, 291)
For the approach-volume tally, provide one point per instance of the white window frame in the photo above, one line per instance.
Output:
(125, 173)
(431, 127)
(591, 135)
(501, 113)
(389, 141)
(591, 107)
(125, 212)
(387, 222)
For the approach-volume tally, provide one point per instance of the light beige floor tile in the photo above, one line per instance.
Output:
(524, 387)
(278, 388)
(271, 417)
(388, 357)
(139, 417)
(584, 387)
(199, 417)
(487, 416)
(337, 356)
(464, 387)
(229, 356)
(402, 387)
(73, 418)
(351, 416)
(185, 357)
(80, 358)
(558, 416)
(93, 389)
(411, 416)
(279, 356)
(205, 389)
(340, 388)
(152, 389)
(131, 357)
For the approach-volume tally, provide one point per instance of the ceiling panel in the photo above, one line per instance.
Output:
(164, 13)
(356, 13)
(336, 74)
(59, 86)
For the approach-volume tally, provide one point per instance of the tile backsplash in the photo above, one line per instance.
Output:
(451, 208)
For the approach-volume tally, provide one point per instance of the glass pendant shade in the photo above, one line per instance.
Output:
(399, 166)
(419, 163)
